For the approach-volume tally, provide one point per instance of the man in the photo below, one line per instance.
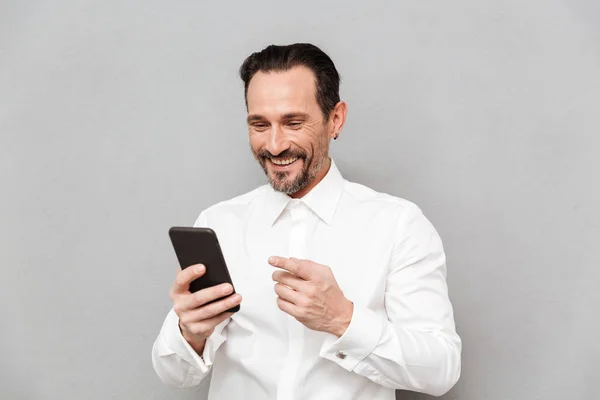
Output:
(344, 290)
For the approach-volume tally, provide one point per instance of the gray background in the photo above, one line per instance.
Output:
(119, 119)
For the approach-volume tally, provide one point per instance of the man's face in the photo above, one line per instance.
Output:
(288, 134)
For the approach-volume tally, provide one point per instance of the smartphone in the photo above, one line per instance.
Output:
(201, 246)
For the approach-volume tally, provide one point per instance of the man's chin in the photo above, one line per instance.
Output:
(281, 185)
(285, 181)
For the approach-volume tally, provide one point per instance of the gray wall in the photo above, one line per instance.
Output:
(119, 119)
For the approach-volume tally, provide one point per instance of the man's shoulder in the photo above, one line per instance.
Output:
(369, 197)
(405, 215)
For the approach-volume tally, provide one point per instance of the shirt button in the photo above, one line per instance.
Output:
(340, 354)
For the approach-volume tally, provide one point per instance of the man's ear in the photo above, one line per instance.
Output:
(338, 118)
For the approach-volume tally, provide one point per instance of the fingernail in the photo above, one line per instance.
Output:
(272, 259)
(200, 268)
(226, 289)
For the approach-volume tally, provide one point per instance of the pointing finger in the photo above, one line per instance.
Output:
(293, 265)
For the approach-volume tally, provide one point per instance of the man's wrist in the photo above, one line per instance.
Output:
(344, 321)
(198, 346)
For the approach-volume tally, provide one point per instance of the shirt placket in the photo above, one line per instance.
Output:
(298, 249)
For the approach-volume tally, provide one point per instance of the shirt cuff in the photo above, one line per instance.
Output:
(359, 340)
(177, 343)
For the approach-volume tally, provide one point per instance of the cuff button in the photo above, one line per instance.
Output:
(340, 354)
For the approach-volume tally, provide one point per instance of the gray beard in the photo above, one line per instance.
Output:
(281, 185)
(302, 181)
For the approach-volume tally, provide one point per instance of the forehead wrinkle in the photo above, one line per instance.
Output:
(276, 93)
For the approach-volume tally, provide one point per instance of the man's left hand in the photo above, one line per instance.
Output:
(309, 292)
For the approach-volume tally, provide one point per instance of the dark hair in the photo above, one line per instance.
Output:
(282, 58)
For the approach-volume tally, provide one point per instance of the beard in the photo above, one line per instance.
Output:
(311, 165)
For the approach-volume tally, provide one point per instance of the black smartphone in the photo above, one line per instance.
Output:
(201, 246)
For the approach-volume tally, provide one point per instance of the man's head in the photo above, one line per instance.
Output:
(294, 109)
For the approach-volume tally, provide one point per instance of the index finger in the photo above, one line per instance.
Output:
(293, 265)
(186, 276)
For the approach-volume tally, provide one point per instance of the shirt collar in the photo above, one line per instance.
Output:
(322, 199)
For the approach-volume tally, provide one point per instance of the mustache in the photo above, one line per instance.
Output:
(265, 154)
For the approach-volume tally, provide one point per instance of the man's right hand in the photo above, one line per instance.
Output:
(197, 319)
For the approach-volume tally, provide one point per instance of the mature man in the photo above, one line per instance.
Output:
(344, 289)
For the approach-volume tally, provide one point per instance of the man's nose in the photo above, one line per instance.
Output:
(277, 142)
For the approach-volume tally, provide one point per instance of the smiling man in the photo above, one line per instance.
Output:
(289, 129)
(344, 288)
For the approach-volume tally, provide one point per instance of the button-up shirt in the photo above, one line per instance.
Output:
(388, 260)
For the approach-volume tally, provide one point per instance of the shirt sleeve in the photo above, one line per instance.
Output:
(174, 360)
(414, 346)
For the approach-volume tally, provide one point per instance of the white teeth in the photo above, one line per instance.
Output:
(286, 161)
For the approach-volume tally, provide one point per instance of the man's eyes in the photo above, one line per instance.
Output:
(263, 125)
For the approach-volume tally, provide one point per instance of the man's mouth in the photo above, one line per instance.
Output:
(282, 162)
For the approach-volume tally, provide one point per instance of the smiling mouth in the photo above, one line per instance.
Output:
(284, 161)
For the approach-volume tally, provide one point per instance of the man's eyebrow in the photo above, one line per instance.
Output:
(294, 115)
(255, 117)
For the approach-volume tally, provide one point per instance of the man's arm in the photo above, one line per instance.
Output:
(415, 347)
(194, 326)
(176, 362)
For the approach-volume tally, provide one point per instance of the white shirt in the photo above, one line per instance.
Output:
(388, 260)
